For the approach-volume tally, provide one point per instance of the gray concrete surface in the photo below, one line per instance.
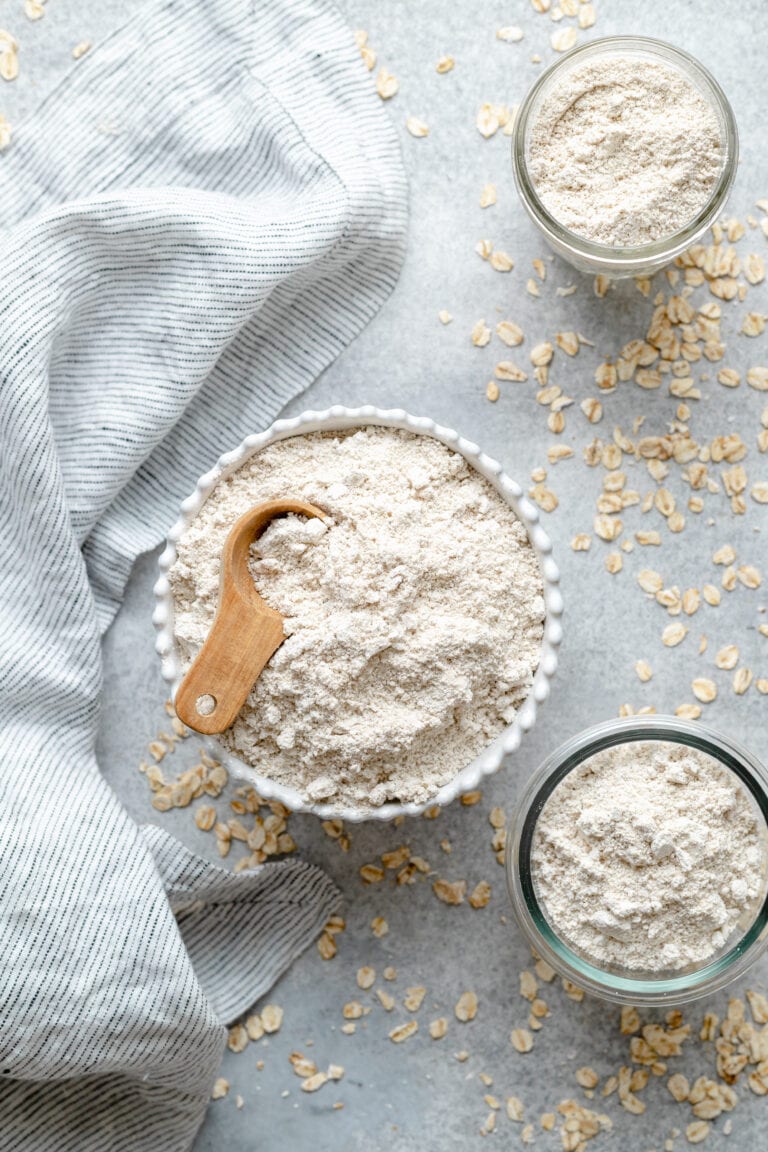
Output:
(416, 1095)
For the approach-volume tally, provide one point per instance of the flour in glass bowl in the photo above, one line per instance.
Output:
(624, 151)
(414, 615)
(648, 856)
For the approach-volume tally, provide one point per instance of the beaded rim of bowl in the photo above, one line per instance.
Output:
(337, 419)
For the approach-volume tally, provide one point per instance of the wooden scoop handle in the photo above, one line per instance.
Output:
(245, 632)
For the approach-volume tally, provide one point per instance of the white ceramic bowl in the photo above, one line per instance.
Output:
(333, 420)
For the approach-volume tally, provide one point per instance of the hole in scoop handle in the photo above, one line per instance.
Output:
(236, 649)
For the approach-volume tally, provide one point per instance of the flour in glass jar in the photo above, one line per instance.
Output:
(624, 151)
(648, 855)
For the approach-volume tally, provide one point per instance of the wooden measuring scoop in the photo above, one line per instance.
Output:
(244, 634)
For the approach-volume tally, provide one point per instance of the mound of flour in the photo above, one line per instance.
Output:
(414, 615)
(648, 856)
(624, 151)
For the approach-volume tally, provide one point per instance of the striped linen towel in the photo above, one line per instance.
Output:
(193, 227)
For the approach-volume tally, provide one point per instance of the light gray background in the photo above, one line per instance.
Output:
(417, 1096)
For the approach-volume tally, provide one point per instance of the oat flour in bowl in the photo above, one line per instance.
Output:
(414, 620)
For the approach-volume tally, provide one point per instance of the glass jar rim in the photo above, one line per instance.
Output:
(675, 242)
(529, 912)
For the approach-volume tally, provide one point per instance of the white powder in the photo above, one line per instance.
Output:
(624, 151)
(648, 856)
(414, 620)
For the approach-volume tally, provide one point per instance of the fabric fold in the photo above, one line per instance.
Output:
(241, 930)
(194, 226)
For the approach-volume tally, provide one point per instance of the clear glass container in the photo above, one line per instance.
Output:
(611, 982)
(617, 262)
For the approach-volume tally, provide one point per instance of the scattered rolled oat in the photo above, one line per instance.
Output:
(438, 1028)
(81, 49)
(312, 1083)
(567, 342)
(414, 998)
(564, 39)
(697, 1131)
(592, 409)
(515, 1109)
(417, 127)
(254, 1027)
(528, 985)
(728, 657)
(387, 1002)
(9, 58)
(522, 1040)
(445, 64)
(501, 262)
(587, 1077)
(366, 977)
(487, 120)
(271, 1018)
(466, 1007)
(450, 893)
(650, 581)
(688, 711)
(237, 1039)
(507, 370)
(487, 195)
(673, 635)
(480, 334)
(511, 34)
(606, 527)
(586, 15)
(542, 354)
(509, 333)
(220, 1089)
(326, 946)
(387, 85)
(704, 690)
(205, 817)
(480, 895)
(404, 1031)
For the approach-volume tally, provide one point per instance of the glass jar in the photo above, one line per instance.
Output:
(611, 982)
(643, 260)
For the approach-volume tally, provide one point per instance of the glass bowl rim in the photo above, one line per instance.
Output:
(675, 242)
(529, 914)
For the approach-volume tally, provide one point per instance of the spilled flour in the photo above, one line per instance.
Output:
(624, 151)
(414, 616)
(647, 856)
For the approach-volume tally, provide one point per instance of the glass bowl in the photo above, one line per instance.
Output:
(611, 982)
(618, 262)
